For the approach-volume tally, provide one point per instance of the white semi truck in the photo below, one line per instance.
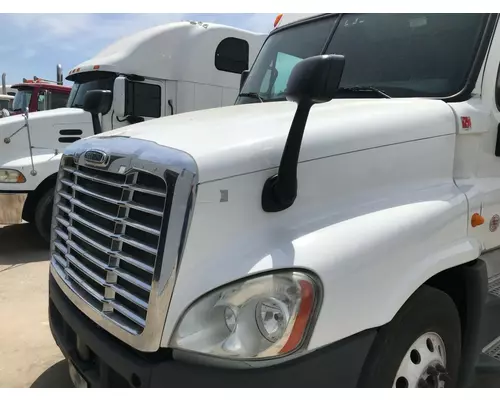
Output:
(161, 71)
(289, 243)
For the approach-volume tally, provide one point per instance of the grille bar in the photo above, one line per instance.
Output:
(107, 228)
(98, 263)
(86, 270)
(88, 240)
(126, 221)
(95, 178)
(84, 285)
(129, 314)
(135, 263)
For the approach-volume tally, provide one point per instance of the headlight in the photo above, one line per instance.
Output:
(261, 317)
(11, 176)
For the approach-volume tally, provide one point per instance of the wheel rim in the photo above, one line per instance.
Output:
(424, 364)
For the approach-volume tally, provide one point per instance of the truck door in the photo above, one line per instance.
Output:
(144, 100)
(479, 138)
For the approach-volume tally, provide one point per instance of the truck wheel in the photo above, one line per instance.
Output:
(43, 214)
(420, 347)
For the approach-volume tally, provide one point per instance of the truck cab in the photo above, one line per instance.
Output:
(37, 95)
(337, 227)
(161, 71)
(6, 102)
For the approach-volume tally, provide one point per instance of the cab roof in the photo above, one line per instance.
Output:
(42, 85)
(181, 51)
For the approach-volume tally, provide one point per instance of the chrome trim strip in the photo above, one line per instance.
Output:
(128, 154)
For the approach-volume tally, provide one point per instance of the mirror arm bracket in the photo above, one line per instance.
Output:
(280, 190)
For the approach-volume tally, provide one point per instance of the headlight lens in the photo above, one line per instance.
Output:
(261, 317)
(11, 176)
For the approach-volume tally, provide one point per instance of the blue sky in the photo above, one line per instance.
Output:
(33, 44)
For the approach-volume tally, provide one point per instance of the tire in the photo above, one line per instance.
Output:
(431, 313)
(43, 215)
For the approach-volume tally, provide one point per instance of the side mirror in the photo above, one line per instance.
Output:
(243, 78)
(119, 90)
(97, 102)
(313, 80)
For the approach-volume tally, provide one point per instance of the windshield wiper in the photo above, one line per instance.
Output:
(252, 95)
(364, 89)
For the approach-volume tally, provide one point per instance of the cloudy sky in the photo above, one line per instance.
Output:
(33, 44)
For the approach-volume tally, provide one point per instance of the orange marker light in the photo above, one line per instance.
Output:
(476, 220)
(96, 66)
(277, 20)
(300, 324)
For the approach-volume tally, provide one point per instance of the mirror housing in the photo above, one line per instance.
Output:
(243, 78)
(119, 90)
(97, 102)
(312, 80)
(315, 79)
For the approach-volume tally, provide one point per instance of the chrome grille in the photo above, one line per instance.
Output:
(106, 239)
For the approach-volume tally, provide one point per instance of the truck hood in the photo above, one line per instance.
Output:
(45, 127)
(242, 139)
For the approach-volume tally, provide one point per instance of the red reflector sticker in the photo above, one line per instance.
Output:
(466, 123)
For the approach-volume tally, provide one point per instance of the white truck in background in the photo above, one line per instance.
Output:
(6, 102)
(161, 71)
(350, 243)
(6, 99)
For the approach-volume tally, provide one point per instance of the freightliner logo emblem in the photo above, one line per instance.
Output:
(96, 157)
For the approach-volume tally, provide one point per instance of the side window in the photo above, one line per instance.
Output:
(231, 55)
(58, 100)
(41, 101)
(143, 100)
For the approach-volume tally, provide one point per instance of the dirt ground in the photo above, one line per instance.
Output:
(29, 356)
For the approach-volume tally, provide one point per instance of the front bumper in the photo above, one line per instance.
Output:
(114, 364)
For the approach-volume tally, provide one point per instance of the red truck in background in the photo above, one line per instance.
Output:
(39, 94)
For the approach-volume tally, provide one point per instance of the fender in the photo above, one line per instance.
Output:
(45, 165)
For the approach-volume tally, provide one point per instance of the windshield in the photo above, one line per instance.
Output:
(405, 55)
(22, 99)
(85, 84)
